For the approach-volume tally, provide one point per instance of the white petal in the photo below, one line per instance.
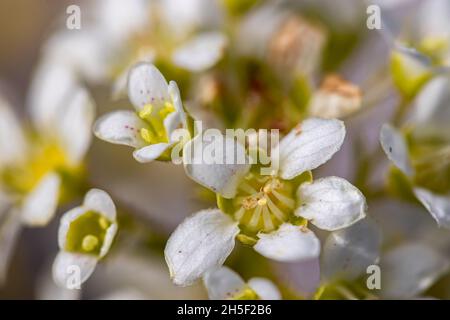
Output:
(330, 203)
(150, 152)
(108, 240)
(75, 124)
(410, 269)
(174, 92)
(146, 85)
(200, 243)
(394, 145)
(215, 174)
(50, 87)
(99, 201)
(309, 145)
(437, 205)
(120, 127)
(223, 283)
(9, 230)
(288, 243)
(200, 53)
(119, 87)
(68, 266)
(348, 252)
(64, 224)
(39, 206)
(265, 289)
(10, 130)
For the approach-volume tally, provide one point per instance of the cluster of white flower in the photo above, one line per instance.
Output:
(241, 65)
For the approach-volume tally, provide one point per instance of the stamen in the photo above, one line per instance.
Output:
(239, 213)
(275, 210)
(89, 242)
(283, 199)
(268, 224)
(256, 215)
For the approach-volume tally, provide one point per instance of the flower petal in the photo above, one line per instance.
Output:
(438, 206)
(10, 130)
(200, 53)
(348, 252)
(330, 203)
(75, 124)
(394, 145)
(109, 237)
(200, 243)
(408, 270)
(150, 152)
(218, 174)
(309, 145)
(9, 230)
(99, 201)
(223, 283)
(288, 243)
(67, 266)
(40, 205)
(50, 87)
(120, 127)
(264, 288)
(146, 85)
(174, 92)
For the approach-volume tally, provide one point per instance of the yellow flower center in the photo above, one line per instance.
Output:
(155, 131)
(43, 157)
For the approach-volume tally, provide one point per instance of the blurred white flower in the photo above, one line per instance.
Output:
(286, 41)
(35, 165)
(84, 237)
(395, 147)
(425, 50)
(261, 210)
(159, 112)
(225, 284)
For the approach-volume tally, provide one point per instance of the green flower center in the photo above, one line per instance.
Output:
(87, 233)
(155, 131)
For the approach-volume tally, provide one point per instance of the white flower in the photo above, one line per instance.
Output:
(158, 113)
(84, 237)
(264, 210)
(32, 163)
(190, 38)
(425, 51)
(224, 284)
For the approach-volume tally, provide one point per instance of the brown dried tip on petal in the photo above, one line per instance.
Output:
(336, 98)
(297, 45)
